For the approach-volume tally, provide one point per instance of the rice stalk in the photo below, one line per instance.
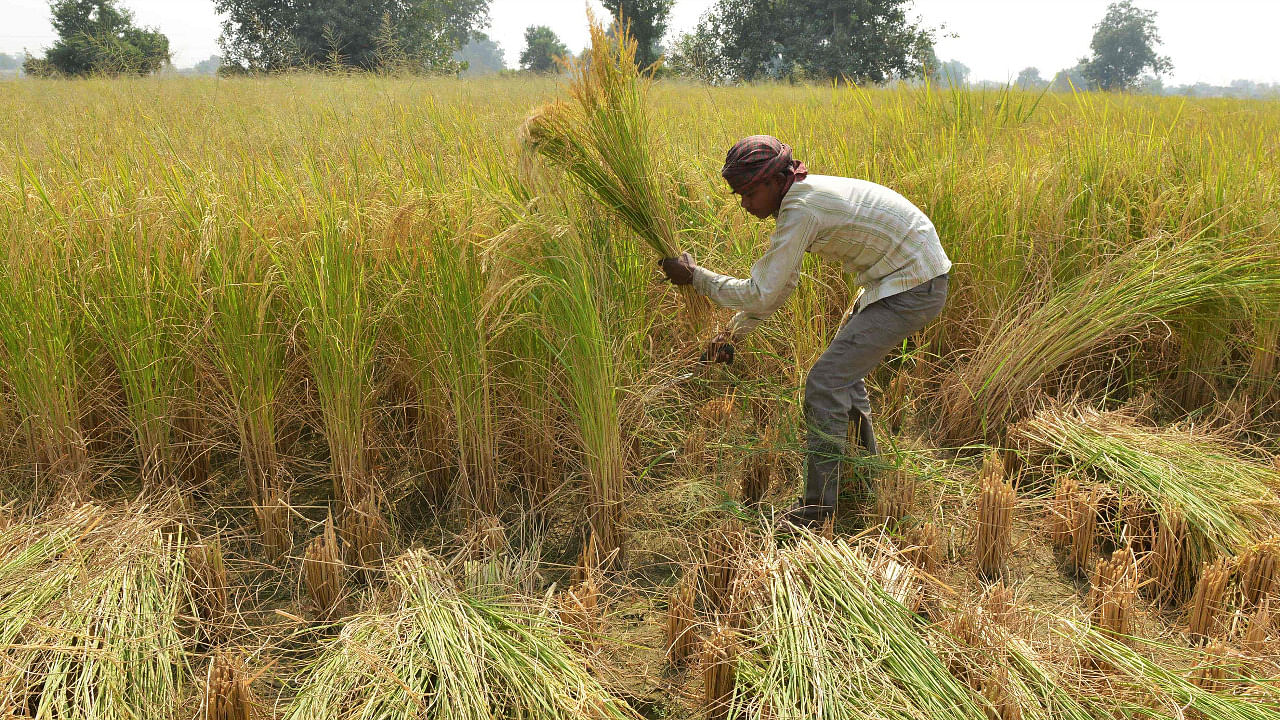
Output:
(680, 629)
(924, 548)
(1257, 637)
(994, 522)
(1223, 498)
(604, 137)
(1259, 569)
(210, 593)
(1084, 528)
(1153, 281)
(227, 695)
(1113, 592)
(324, 574)
(1209, 601)
(435, 652)
(895, 493)
(366, 537)
(1061, 518)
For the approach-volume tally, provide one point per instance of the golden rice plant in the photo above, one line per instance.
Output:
(324, 574)
(1113, 592)
(994, 522)
(227, 695)
(1209, 601)
(757, 478)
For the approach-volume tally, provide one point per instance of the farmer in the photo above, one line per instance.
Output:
(896, 256)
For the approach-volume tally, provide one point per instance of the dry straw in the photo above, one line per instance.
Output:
(1113, 593)
(681, 625)
(1208, 604)
(994, 523)
(895, 494)
(227, 695)
(324, 574)
(924, 547)
(1259, 569)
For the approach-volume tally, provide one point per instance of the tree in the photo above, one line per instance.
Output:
(1071, 79)
(953, 72)
(541, 49)
(98, 37)
(647, 22)
(1029, 79)
(865, 41)
(1123, 47)
(421, 35)
(208, 66)
(9, 63)
(481, 56)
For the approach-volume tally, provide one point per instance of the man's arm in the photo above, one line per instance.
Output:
(773, 277)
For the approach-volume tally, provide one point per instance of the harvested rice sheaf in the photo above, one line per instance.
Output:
(433, 651)
(1209, 498)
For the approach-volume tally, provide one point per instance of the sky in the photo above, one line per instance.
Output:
(1211, 42)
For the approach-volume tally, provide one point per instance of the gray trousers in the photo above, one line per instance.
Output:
(835, 394)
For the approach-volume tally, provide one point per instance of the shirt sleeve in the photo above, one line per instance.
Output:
(773, 277)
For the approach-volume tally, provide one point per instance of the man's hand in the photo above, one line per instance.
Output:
(719, 350)
(679, 270)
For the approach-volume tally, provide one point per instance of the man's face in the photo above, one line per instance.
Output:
(764, 199)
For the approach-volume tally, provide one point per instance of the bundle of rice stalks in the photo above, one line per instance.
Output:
(227, 695)
(90, 605)
(758, 478)
(207, 574)
(1260, 571)
(1209, 601)
(366, 537)
(1157, 689)
(681, 631)
(1113, 593)
(1084, 528)
(579, 611)
(603, 136)
(824, 638)
(994, 524)
(1061, 518)
(1224, 498)
(1140, 288)
(1212, 672)
(324, 574)
(435, 652)
(1257, 637)
(722, 548)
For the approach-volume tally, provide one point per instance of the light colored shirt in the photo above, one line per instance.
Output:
(880, 237)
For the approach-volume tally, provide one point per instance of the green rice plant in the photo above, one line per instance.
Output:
(247, 344)
(140, 298)
(569, 290)
(1152, 282)
(605, 138)
(91, 628)
(40, 332)
(830, 641)
(437, 652)
(448, 315)
(326, 275)
(1225, 498)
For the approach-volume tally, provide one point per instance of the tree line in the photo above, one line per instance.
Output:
(859, 41)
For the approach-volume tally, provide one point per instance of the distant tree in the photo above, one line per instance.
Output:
(647, 22)
(480, 56)
(698, 56)
(541, 49)
(1029, 79)
(953, 72)
(1124, 47)
(99, 37)
(9, 63)
(208, 66)
(859, 40)
(1070, 79)
(420, 35)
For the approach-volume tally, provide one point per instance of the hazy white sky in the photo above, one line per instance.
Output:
(1212, 42)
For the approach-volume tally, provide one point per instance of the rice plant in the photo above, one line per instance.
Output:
(247, 345)
(435, 652)
(1153, 282)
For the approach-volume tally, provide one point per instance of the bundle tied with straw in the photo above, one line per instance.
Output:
(604, 138)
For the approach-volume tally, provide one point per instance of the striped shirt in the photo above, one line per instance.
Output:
(885, 241)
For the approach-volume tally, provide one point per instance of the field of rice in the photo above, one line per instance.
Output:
(354, 397)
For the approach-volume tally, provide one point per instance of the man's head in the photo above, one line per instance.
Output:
(760, 170)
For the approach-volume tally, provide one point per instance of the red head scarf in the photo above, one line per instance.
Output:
(757, 158)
